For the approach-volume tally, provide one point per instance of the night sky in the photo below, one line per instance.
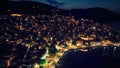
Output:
(69, 4)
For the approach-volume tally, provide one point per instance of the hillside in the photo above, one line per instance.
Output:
(25, 7)
(97, 14)
(30, 7)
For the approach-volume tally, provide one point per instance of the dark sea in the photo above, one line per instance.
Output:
(100, 57)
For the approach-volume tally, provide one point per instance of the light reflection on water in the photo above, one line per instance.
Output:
(99, 57)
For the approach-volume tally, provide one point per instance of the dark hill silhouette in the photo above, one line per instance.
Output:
(97, 14)
(30, 7)
(25, 7)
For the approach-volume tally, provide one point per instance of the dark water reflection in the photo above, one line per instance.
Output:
(97, 58)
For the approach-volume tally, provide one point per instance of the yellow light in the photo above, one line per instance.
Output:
(36, 65)
(84, 50)
(18, 15)
(94, 27)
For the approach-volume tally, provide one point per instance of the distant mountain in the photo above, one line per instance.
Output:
(26, 7)
(97, 14)
(30, 7)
